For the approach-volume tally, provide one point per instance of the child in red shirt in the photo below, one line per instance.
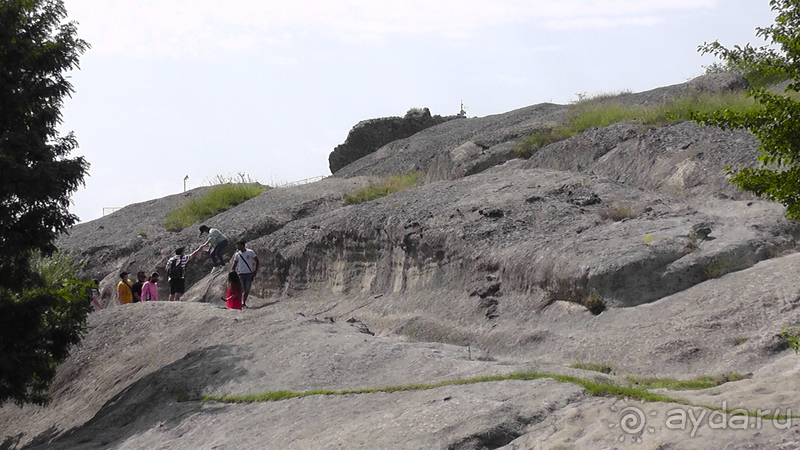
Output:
(233, 297)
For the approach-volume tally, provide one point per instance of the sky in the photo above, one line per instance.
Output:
(213, 88)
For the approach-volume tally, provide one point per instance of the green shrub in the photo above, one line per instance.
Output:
(394, 183)
(220, 198)
(54, 270)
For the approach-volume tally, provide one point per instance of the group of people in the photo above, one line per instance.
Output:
(240, 278)
(144, 289)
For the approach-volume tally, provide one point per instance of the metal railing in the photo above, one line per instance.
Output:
(299, 182)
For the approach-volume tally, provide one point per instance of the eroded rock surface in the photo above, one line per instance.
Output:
(487, 268)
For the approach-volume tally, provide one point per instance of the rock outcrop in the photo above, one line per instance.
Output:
(369, 135)
(493, 265)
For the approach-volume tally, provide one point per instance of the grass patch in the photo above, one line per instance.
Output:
(539, 139)
(606, 109)
(682, 108)
(592, 388)
(720, 266)
(594, 367)
(220, 198)
(394, 183)
(618, 212)
(674, 385)
(683, 385)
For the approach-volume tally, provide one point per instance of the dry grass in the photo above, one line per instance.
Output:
(619, 212)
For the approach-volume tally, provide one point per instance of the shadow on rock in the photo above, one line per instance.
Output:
(164, 396)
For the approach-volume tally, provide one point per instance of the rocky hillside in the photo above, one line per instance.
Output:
(623, 248)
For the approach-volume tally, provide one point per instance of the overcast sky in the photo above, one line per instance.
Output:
(203, 88)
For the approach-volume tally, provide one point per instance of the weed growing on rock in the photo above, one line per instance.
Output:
(684, 385)
(539, 139)
(720, 266)
(619, 212)
(395, 183)
(220, 198)
(595, 389)
(239, 178)
(792, 337)
(672, 384)
(595, 304)
(681, 108)
(592, 388)
(606, 109)
(594, 367)
(691, 244)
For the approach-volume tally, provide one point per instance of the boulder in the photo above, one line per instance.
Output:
(369, 135)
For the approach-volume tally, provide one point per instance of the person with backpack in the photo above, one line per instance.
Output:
(245, 263)
(176, 268)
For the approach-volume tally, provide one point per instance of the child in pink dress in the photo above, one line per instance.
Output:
(150, 289)
(233, 297)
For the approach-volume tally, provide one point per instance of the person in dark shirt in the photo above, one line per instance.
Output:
(136, 288)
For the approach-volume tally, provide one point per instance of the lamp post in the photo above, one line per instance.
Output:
(184, 182)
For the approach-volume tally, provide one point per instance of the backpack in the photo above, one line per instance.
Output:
(175, 269)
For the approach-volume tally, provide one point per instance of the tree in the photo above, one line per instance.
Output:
(38, 327)
(777, 124)
(40, 321)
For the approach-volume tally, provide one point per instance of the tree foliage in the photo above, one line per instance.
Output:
(39, 321)
(38, 327)
(777, 124)
(37, 176)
